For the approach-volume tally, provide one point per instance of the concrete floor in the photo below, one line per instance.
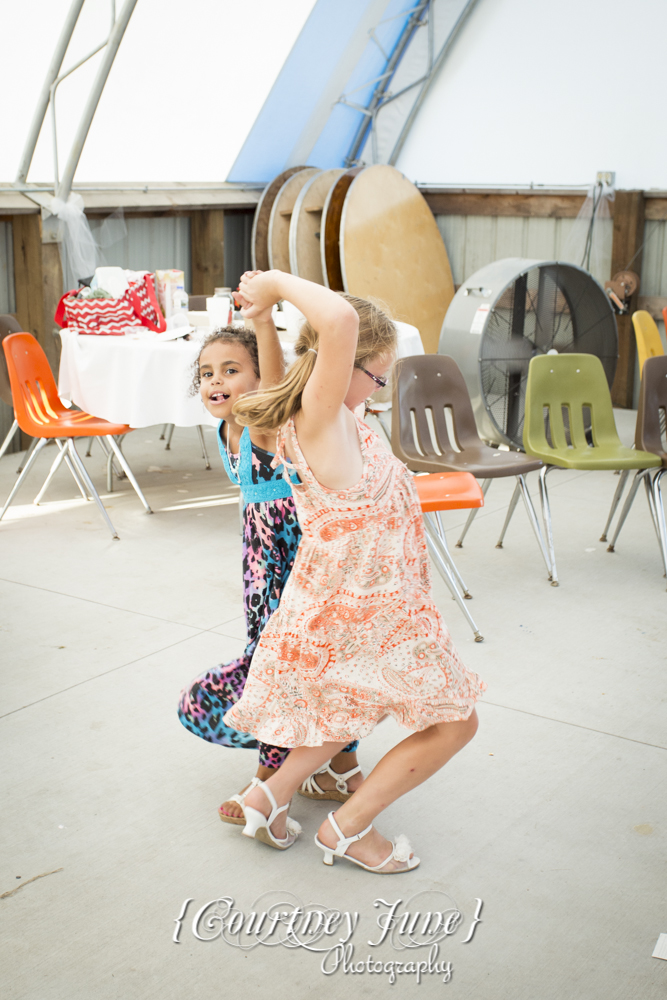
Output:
(555, 815)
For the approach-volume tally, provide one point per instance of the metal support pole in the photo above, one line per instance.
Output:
(112, 46)
(128, 472)
(449, 580)
(57, 462)
(508, 517)
(535, 524)
(40, 443)
(76, 460)
(8, 440)
(43, 102)
(615, 502)
(28, 455)
(72, 468)
(629, 500)
(442, 539)
(660, 513)
(204, 453)
(472, 515)
(546, 517)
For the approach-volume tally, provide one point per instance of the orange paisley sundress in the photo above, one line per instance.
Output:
(356, 635)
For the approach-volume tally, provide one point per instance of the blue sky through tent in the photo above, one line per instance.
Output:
(338, 135)
(335, 55)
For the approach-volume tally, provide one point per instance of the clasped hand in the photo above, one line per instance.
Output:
(257, 293)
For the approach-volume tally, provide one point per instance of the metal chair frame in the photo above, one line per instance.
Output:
(168, 433)
(442, 559)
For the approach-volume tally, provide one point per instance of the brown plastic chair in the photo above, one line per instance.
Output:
(425, 387)
(649, 437)
(8, 325)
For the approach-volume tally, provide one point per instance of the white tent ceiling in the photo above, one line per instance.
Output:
(184, 90)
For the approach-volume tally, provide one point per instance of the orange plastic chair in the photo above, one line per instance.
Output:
(448, 491)
(41, 414)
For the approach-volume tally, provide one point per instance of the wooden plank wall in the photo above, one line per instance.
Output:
(38, 275)
(629, 211)
(208, 250)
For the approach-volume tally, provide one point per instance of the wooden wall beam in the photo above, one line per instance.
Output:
(38, 279)
(629, 217)
(546, 206)
(656, 209)
(38, 283)
(27, 239)
(207, 235)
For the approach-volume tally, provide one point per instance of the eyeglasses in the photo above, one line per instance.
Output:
(381, 382)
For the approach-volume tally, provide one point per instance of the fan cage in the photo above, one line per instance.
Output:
(546, 306)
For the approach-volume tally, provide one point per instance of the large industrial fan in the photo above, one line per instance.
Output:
(510, 311)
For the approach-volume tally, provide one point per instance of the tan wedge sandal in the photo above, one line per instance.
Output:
(340, 793)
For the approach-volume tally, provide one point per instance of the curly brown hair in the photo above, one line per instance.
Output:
(227, 335)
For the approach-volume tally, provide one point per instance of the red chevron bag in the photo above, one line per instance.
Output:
(112, 317)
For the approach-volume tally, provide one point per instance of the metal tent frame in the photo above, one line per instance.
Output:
(47, 98)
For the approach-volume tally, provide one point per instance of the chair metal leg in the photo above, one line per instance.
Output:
(660, 514)
(90, 447)
(204, 453)
(112, 468)
(510, 510)
(629, 500)
(52, 471)
(164, 431)
(546, 517)
(615, 502)
(128, 472)
(74, 471)
(83, 472)
(170, 431)
(28, 454)
(472, 515)
(446, 575)
(534, 523)
(436, 522)
(8, 440)
(39, 444)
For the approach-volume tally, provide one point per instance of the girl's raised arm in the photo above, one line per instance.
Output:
(337, 325)
(269, 351)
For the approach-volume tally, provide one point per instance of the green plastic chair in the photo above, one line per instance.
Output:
(559, 389)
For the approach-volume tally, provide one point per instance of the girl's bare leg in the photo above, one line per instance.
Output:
(405, 766)
(301, 762)
(340, 763)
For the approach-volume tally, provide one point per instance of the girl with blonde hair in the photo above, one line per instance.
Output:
(356, 636)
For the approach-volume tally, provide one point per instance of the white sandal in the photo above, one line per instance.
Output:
(340, 793)
(258, 825)
(401, 850)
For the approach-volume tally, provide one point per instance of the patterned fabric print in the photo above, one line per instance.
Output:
(357, 635)
(271, 536)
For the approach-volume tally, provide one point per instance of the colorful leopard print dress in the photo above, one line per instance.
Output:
(357, 635)
(271, 537)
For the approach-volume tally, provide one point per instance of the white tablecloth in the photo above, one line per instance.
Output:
(135, 382)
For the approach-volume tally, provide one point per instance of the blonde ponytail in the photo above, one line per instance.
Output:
(269, 409)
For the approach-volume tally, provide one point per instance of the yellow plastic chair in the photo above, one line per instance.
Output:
(649, 344)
